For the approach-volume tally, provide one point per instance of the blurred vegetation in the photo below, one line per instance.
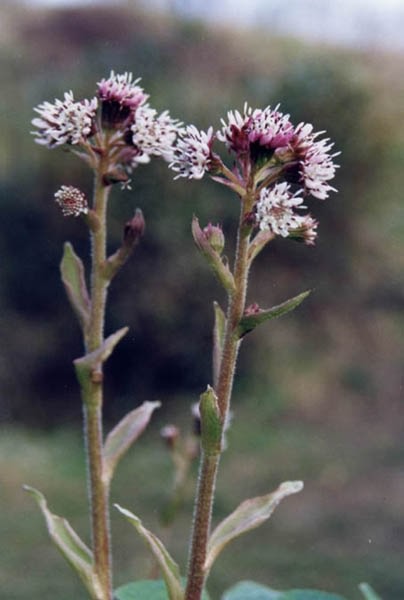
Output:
(329, 376)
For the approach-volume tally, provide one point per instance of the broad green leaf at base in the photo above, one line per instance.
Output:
(249, 590)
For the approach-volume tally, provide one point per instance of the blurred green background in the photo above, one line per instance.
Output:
(319, 392)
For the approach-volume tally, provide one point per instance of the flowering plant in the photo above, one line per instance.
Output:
(274, 166)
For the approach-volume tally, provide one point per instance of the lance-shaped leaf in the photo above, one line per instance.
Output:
(258, 243)
(77, 554)
(249, 515)
(218, 339)
(250, 321)
(72, 271)
(120, 439)
(220, 268)
(90, 363)
(168, 566)
(368, 592)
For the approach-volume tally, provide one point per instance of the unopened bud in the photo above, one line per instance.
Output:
(215, 237)
(170, 434)
(72, 201)
(134, 229)
(252, 309)
(211, 424)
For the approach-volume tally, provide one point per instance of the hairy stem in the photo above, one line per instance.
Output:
(210, 463)
(201, 527)
(93, 401)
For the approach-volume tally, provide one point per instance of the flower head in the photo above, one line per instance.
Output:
(267, 128)
(315, 162)
(65, 121)
(275, 210)
(153, 134)
(120, 97)
(193, 153)
(72, 201)
(234, 133)
(307, 230)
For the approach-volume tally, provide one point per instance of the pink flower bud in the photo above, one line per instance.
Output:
(134, 229)
(215, 237)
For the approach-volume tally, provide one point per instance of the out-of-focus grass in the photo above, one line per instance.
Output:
(344, 528)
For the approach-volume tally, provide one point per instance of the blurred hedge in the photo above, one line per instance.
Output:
(341, 347)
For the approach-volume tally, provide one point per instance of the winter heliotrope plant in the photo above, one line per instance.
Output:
(272, 166)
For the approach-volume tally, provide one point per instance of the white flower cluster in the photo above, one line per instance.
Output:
(117, 124)
(275, 209)
(316, 165)
(65, 121)
(154, 134)
(192, 156)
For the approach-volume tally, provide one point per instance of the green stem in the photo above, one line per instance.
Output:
(201, 526)
(93, 401)
(99, 285)
(210, 463)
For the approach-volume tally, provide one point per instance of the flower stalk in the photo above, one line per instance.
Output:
(93, 399)
(209, 462)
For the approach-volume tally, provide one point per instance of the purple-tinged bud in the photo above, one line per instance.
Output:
(215, 236)
(134, 229)
(220, 267)
(252, 309)
(72, 201)
(170, 435)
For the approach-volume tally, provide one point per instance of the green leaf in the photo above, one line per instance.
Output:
(309, 595)
(152, 589)
(249, 590)
(86, 366)
(168, 566)
(218, 340)
(249, 515)
(120, 439)
(250, 321)
(77, 554)
(72, 271)
(368, 592)
(149, 589)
